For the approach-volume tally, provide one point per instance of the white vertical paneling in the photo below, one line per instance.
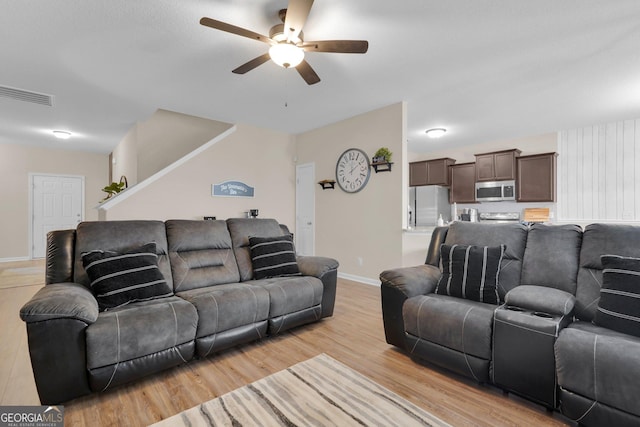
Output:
(562, 183)
(572, 167)
(611, 193)
(629, 174)
(587, 166)
(619, 170)
(602, 172)
(579, 173)
(636, 144)
(599, 172)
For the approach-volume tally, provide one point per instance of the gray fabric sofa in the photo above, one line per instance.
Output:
(76, 349)
(539, 340)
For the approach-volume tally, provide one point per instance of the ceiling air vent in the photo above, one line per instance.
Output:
(26, 96)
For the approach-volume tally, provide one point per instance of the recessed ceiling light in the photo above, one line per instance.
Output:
(436, 132)
(62, 134)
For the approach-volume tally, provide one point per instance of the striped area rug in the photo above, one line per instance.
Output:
(317, 392)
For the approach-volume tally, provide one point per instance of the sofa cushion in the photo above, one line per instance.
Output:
(598, 240)
(273, 257)
(120, 236)
(118, 279)
(458, 324)
(470, 272)
(201, 254)
(290, 294)
(619, 304)
(513, 236)
(600, 364)
(139, 329)
(552, 256)
(228, 306)
(240, 229)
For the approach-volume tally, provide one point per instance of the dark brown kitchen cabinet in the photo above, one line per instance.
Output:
(496, 166)
(537, 178)
(463, 185)
(417, 174)
(430, 172)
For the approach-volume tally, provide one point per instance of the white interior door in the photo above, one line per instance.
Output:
(56, 204)
(305, 209)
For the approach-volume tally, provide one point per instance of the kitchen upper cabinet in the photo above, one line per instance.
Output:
(417, 174)
(537, 178)
(430, 172)
(438, 171)
(463, 185)
(496, 166)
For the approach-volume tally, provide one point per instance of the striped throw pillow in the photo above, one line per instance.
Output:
(471, 272)
(118, 279)
(273, 257)
(619, 304)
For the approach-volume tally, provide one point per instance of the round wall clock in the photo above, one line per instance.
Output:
(352, 170)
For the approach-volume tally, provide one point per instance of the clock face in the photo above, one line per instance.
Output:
(352, 170)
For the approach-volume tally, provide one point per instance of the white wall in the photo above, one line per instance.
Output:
(157, 142)
(167, 136)
(124, 158)
(364, 226)
(258, 157)
(16, 162)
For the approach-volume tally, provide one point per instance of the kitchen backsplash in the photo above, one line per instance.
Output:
(508, 207)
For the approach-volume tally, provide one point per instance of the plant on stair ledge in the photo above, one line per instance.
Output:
(115, 188)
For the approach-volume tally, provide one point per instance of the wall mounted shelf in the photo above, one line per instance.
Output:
(382, 166)
(327, 184)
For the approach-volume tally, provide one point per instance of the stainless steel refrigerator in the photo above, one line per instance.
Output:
(427, 203)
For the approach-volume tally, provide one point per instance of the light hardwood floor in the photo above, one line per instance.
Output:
(354, 336)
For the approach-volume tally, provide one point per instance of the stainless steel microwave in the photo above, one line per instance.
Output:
(495, 191)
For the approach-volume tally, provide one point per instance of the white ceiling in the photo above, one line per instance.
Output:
(485, 69)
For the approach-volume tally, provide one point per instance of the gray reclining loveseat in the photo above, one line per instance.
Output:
(536, 337)
(206, 300)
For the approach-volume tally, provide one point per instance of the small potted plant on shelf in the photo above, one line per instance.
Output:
(383, 155)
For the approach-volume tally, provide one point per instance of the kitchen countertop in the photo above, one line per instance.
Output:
(419, 230)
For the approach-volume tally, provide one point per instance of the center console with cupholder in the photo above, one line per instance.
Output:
(523, 346)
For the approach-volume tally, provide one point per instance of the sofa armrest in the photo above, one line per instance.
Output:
(57, 317)
(61, 301)
(396, 286)
(316, 266)
(412, 281)
(541, 299)
(325, 269)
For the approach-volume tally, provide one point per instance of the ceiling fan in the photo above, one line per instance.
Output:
(287, 41)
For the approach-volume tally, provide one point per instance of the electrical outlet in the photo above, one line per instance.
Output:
(360, 261)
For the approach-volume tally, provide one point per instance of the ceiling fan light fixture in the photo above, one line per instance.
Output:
(436, 132)
(286, 54)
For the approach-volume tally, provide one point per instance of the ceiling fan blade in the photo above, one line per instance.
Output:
(307, 73)
(297, 14)
(223, 26)
(244, 68)
(336, 46)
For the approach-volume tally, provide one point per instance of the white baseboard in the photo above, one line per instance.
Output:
(353, 277)
(22, 258)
